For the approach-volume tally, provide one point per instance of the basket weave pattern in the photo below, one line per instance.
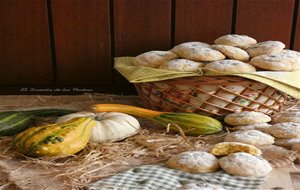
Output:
(213, 96)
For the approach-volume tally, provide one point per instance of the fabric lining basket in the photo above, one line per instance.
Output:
(212, 96)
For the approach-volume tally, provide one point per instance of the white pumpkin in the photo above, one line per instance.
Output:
(111, 126)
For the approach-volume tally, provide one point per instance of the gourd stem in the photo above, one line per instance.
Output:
(132, 110)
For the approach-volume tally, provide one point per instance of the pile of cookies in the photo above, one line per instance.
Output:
(230, 54)
(235, 158)
(252, 149)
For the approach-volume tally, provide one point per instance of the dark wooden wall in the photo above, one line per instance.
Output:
(56, 44)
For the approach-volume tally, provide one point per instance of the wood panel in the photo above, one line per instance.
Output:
(265, 19)
(202, 20)
(297, 33)
(82, 41)
(25, 53)
(141, 26)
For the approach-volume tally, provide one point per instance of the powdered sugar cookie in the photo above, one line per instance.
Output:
(278, 156)
(182, 65)
(285, 130)
(194, 162)
(252, 137)
(274, 62)
(235, 40)
(154, 58)
(225, 148)
(229, 66)
(287, 143)
(258, 126)
(198, 53)
(188, 45)
(244, 164)
(287, 117)
(232, 52)
(265, 48)
(294, 56)
(246, 118)
(200, 186)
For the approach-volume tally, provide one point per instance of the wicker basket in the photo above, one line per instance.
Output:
(213, 96)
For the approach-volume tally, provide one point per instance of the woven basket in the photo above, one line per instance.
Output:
(212, 96)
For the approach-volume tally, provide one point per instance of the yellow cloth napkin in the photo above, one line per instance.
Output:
(288, 82)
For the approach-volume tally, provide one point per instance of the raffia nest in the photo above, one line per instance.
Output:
(96, 161)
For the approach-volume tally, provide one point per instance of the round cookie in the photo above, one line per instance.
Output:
(182, 65)
(265, 48)
(285, 130)
(194, 162)
(154, 58)
(246, 118)
(232, 52)
(235, 40)
(200, 186)
(252, 137)
(187, 45)
(278, 156)
(287, 117)
(244, 164)
(293, 55)
(259, 126)
(229, 66)
(225, 148)
(274, 62)
(198, 53)
(286, 143)
(296, 147)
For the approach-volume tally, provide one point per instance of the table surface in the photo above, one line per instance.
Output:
(286, 178)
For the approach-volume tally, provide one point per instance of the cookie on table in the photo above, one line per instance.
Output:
(232, 52)
(244, 164)
(198, 53)
(258, 126)
(287, 117)
(200, 186)
(246, 118)
(225, 148)
(252, 137)
(154, 58)
(287, 143)
(285, 130)
(296, 148)
(182, 65)
(274, 62)
(229, 66)
(278, 156)
(194, 162)
(235, 40)
(265, 48)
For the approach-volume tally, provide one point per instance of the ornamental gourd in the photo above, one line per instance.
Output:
(110, 127)
(55, 139)
(13, 122)
(191, 123)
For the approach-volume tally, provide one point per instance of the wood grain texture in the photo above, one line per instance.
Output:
(203, 20)
(297, 32)
(141, 26)
(265, 19)
(82, 41)
(25, 53)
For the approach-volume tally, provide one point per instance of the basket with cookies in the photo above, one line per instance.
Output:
(233, 75)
